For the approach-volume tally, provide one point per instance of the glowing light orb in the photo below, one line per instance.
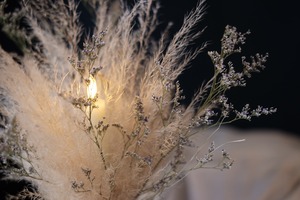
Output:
(92, 87)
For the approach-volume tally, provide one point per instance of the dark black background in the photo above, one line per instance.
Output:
(274, 27)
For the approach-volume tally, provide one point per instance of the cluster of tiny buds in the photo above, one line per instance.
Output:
(207, 158)
(231, 78)
(184, 141)
(95, 70)
(146, 160)
(217, 60)
(247, 114)
(168, 85)
(178, 94)
(139, 110)
(231, 39)
(156, 99)
(163, 182)
(226, 107)
(211, 147)
(99, 39)
(97, 43)
(86, 171)
(230, 44)
(228, 162)
(257, 63)
(206, 119)
(78, 186)
(101, 126)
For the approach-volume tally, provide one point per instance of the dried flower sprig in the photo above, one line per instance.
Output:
(17, 154)
(214, 108)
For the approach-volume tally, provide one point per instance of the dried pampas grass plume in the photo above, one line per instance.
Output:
(130, 139)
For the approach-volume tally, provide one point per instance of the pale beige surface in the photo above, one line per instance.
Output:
(267, 167)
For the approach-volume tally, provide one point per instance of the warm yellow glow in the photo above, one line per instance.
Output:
(92, 87)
